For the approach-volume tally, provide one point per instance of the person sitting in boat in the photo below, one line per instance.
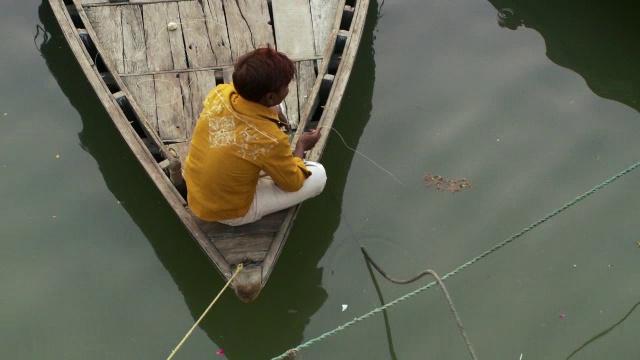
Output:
(240, 166)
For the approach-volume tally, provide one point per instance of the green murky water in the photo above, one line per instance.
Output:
(96, 266)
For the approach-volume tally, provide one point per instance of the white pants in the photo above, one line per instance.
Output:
(269, 198)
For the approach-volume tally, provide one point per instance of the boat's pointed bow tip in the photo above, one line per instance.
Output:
(248, 283)
(247, 295)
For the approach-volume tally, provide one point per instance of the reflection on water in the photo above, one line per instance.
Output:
(590, 37)
(604, 332)
(385, 313)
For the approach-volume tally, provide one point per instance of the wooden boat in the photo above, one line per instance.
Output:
(152, 62)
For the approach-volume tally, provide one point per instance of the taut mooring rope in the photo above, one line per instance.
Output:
(205, 312)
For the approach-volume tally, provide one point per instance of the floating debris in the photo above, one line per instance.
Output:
(344, 307)
(57, 156)
(443, 184)
(562, 316)
(220, 352)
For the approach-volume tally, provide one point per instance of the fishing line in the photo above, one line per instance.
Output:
(366, 157)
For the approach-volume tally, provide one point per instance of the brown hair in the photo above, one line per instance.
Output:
(260, 72)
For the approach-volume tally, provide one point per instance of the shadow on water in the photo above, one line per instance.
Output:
(385, 315)
(276, 321)
(596, 39)
(605, 331)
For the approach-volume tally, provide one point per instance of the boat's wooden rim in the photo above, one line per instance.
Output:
(332, 77)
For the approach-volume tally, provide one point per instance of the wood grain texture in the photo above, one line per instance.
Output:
(114, 74)
(165, 48)
(248, 24)
(324, 20)
(200, 84)
(290, 104)
(107, 24)
(133, 40)
(143, 90)
(216, 24)
(172, 111)
(108, 3)
(243, 249)
(267, 225)
(293, 28)
(306, 74)
(196, 38)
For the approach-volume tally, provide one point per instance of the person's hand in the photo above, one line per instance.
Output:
(306, 141)
(309, 139)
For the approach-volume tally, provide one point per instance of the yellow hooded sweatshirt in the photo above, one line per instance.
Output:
(234, 140)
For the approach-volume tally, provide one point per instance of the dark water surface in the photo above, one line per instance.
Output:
(96, 266)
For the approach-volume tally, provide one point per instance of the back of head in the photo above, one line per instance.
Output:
(260, 72)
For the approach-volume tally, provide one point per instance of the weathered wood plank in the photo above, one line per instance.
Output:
(134, 45)
(293, 27)
(216, 24)
(94, 3)
(324, 19)
(143, 90)
(173, 112)
(290, 104)
(107, 24)
(165, 48)
(306, 74)
(267, 225)
(227, 70)
(243, 248)
(196, 38)
(248, 24)
(90, 3)
(173, 97)
(200, 84)
(188, 114)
